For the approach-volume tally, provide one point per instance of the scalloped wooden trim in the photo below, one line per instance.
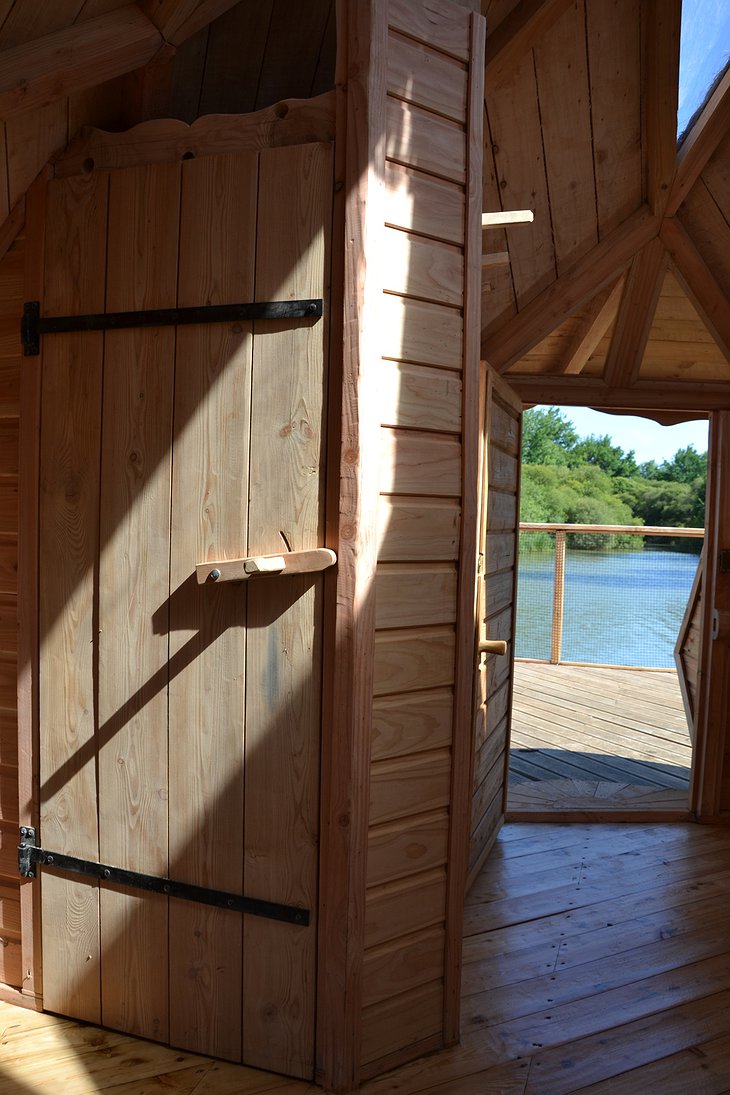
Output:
(290, 122)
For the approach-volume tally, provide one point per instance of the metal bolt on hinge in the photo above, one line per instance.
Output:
(214, 575)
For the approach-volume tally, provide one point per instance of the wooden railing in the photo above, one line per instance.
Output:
(556, 642)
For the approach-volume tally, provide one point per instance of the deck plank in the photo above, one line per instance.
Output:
(592, 738)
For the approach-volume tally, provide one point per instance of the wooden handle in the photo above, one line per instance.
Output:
(493, 646)
(721, 625)
(253, 566)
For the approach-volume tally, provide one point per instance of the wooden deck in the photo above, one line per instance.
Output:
(587, 738)
(597, 959)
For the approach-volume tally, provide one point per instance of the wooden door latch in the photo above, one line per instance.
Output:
(260, 566)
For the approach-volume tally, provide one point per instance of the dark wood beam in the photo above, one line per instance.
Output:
(698, 282)
(659, 395)
(521, 30)
(635, 315)
(598, 318)
(178, 20)
(663, 20)
(11, 226)
(590, 274)
(702, 140)
(52, 67)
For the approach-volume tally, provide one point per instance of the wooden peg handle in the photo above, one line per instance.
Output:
(260, 566)
(493, 646)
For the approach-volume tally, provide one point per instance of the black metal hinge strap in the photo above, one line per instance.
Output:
(30, 856)
(33, 325)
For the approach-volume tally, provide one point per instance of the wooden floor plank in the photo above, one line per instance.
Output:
(618, 983)
(606, 913)
(700, 1070)
(601, 1056)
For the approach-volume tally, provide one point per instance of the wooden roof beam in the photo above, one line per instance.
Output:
(581, 391)
(698, 282)
(664, 18)
(700, 143)
(178, 20)
(521, 30)
(593, 326)
(11, 226)
(50, 68)
(590, 274)
(635, 316)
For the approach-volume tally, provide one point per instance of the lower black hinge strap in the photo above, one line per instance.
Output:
(31, 856)
(33, 325)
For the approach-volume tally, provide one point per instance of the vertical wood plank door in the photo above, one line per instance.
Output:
(499, 504)
(180, 723)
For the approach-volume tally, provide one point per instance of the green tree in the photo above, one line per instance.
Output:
(601, 452)
(686, 466)
(547, 437)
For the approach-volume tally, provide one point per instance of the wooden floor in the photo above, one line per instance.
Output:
(597, 959)
(587, 738)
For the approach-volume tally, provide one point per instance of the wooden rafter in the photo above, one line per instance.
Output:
(662, 83)
(635, 315)
(698, 282)
(700, 143)
(590, 274)
(599, 316)
(582, 391)
(50, 68)
(178, 20)
(11, 226)
(520, 31)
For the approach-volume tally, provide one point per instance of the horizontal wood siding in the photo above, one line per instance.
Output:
(421, 386)
(11, 308)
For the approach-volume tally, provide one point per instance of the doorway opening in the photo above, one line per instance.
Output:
(607, 611)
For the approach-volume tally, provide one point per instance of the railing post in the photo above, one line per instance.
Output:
(558, 597)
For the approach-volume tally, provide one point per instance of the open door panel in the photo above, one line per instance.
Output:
(499, 477)
(687, 651)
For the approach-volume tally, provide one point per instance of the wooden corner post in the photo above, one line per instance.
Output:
(30, 393)
(466, 654)
(360, 159)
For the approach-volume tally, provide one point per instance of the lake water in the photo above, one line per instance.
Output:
(621, 608)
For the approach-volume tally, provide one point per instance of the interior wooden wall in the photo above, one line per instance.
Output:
(11, 296)
(255, 54)
(420, 707)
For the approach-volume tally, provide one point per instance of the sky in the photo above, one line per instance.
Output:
(704, 51)
(648, 439)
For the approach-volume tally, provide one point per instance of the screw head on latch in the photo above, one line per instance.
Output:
(214, 575)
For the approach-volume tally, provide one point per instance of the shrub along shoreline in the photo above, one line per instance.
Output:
(590, 481)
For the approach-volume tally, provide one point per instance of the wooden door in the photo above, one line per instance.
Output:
(499, 479)
(180, 723)
(711, 739)
(688, 650)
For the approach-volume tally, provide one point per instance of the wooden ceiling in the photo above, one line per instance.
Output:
(617, 293)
